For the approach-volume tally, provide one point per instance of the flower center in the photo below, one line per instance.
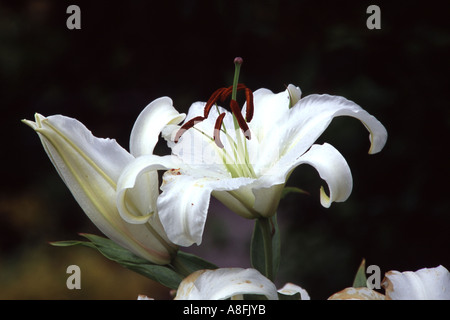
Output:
(238, 164)
(221, 95)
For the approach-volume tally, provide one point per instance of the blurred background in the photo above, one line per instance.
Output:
(125, 55)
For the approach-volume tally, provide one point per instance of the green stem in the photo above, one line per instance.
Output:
(266, 231)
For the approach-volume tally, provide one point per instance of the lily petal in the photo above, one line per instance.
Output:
(61, 131)
(150, 123)
(357, 294)
(295, 94)
(312, 114)
(90, 167)
(270, 109)
(225, 283)
(129, 184)
(331, 167)
(291, 289)
(266, 199)
(240, 201)
(189, 196)
(424, 284)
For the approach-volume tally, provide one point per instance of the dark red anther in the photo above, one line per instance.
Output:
(221, 95)
(234, 106)
(217, 126)
(187, 126)
(227, 91)
(249, 110)
(212, 100)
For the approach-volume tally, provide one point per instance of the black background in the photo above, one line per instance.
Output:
(129, 53)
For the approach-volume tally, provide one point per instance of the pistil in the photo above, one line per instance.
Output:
(237, 68)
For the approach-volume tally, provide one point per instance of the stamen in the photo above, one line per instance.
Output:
(221, 95)
(217, 126)
(212, 100)
(249, 110)
(234, 106)
(187, 126)
(227, 91)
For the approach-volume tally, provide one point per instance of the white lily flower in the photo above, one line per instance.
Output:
(245, 163)
(231, 283)
(91, 167)
(423, 284)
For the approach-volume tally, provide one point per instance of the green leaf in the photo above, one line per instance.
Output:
(70, 243)
(113, 251)
(259, 254)
(360, 280)
(187, 263)
(161, 273)
(288, 190)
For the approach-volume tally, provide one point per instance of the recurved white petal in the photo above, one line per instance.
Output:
(225, 283)
(424, 284)
(150, 123)
(295, 94)
(312, 114)
(331, 166)
(139, 180)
